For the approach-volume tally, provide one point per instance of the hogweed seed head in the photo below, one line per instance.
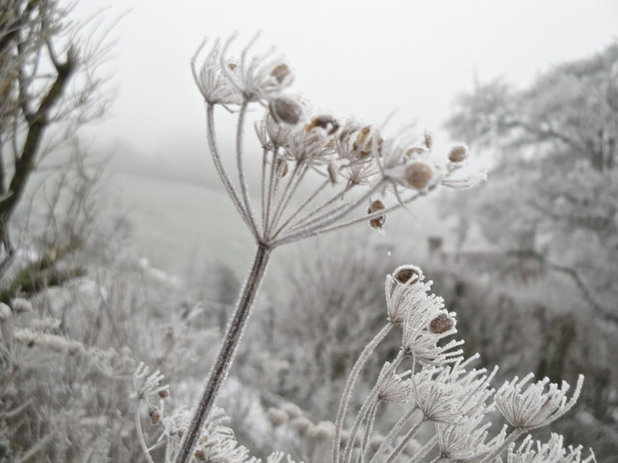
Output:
(528, 405)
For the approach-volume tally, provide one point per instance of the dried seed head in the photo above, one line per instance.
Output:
(282, 168)
(408, 275)
(180, 432)
(281, 72)
(163, 393)
(376, 222)
(231, 66)
(418, 175)
(458, 153)
(441, 324)
(284, 109)
(200, 455)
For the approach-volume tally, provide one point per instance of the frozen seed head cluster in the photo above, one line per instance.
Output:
(438, 388)
(362, 173)
(446, 406)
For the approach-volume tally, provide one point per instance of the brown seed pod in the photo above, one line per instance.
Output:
(407, 275)
(376, 222)
(155, 416)
(284, 109)
(418, 175)
(200, 455)
(458, 153)
(163, 393)
(280, 72)
(441, 324)
(325, 122)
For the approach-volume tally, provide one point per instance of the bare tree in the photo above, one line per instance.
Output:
(47, 91)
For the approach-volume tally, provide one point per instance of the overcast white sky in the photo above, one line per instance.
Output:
(361, 58)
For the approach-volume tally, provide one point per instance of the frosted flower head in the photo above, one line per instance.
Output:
(528, 405)
(393, 387)
(550, 452)
(147, 386)
(257, 78)
(468, 440)
(211, 80)
(397, 286)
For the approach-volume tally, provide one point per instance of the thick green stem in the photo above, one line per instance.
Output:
(227, 352)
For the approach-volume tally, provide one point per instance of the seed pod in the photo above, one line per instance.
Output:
(325, 122)
(284, 109)
(458, 153)
(418, 175)
(441, 324)
(200, 455)
(376, 222)
(408, 275)
(281, 72)
(155, 416)
(163, 393)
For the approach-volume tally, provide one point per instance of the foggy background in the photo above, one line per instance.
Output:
(527, 260)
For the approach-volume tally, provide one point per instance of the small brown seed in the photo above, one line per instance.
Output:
(458, 153)
(441, 324)
(283, 109)
(280, 72)
(407, 275)
(418, 175)
(376, 222)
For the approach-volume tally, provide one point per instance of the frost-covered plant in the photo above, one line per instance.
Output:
(446, 408)
(318, 174)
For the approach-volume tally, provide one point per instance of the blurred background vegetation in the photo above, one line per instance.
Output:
(97, 275)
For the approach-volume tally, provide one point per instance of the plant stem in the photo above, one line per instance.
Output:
(227, 351)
